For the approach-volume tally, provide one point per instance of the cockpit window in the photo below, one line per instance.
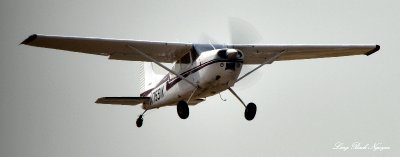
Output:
(185, 59)
(195, 55)
(207, 47)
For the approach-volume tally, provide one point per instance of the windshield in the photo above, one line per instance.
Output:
(206, 47)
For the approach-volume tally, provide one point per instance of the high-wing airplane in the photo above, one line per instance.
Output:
(199, 70)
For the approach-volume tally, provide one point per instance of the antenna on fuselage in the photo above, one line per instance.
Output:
(221, 97)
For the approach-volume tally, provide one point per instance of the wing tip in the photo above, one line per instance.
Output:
(99, 100)
(29, 39)
(377, 47)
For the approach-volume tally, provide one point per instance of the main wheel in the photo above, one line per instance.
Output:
(183, 109)
(139, 121)
(250, 111)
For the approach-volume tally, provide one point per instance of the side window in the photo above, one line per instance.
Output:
(194, 55)
(185, 59)
(183, 63)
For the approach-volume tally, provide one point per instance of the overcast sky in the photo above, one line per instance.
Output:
(304, 107)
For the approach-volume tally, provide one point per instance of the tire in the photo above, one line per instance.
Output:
(183, 109)
(139, 121)
(250, 112)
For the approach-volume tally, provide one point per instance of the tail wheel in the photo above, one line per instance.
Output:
(139, 121)
(183, 109)
(250, 111)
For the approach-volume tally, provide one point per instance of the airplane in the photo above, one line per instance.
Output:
(199, 70)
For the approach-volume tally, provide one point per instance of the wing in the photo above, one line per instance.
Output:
(123, 100)
(114, 48)
(258, 54)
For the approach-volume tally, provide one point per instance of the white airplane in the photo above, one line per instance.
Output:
(199, 71)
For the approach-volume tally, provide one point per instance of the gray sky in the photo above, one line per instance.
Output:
(304, 107)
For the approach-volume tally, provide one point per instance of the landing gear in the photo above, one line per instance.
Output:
(183, 109)
(139, 121)
(250, 111)
(251, 108)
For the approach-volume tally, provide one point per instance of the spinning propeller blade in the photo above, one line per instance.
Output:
(242, 32)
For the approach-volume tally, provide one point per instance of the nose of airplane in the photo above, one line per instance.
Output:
(232, 54)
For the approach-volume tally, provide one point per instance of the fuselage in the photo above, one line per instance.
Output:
(212, 71)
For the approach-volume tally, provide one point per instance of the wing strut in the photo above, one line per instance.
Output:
(162, 66)
(269, 61)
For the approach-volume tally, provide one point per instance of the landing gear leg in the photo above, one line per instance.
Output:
(139, 121)
(251, 108)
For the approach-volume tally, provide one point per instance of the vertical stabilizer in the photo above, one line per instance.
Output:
(148, 77)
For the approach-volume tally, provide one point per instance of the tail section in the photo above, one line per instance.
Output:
(148, 77)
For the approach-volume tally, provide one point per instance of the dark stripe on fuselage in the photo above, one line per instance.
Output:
(175, 80)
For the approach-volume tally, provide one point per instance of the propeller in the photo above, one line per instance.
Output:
(242, 32)
(206, 39)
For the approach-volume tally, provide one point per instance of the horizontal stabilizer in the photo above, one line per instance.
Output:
(122, 100)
